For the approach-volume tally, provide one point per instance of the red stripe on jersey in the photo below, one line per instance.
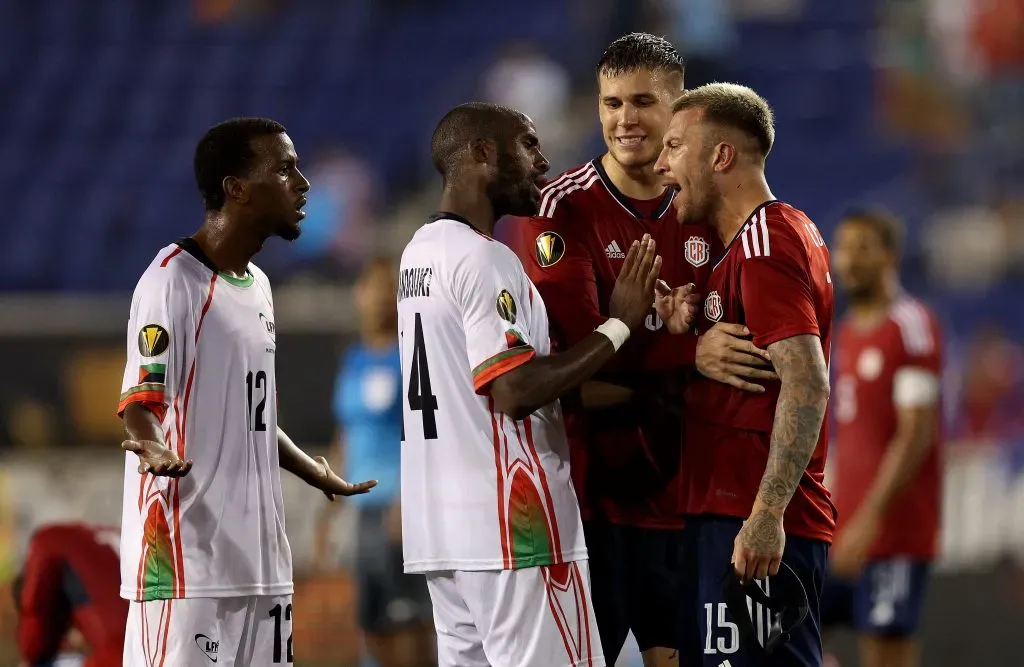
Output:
(179, 583)
(556, 543)
(174, 253)
(502, 522)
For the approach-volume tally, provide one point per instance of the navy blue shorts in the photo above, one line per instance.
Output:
(885, 601)
(710, 540)
(634, 585)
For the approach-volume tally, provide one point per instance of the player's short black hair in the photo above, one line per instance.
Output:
(467, 123)
(640, 50)
(890, 229)
(226, 150)
(735, 106)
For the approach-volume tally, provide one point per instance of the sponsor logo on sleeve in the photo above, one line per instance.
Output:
(550, 248)
(153, 340)
(506, 306)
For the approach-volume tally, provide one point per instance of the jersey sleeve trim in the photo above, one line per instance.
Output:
(782, 334)
(494, 367)
(150, 392)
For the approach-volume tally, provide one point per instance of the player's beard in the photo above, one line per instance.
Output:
(289, 231)
(511, 193)
(700, 208)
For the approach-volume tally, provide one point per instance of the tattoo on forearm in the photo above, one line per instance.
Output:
(800, 365)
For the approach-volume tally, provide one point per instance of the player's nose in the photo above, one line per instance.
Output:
(541, 164)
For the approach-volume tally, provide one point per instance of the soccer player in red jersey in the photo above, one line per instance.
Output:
(887, 472)
(624, 430)
(754, 463)
(70, 583)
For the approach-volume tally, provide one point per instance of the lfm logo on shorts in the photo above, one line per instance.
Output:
(208, 646)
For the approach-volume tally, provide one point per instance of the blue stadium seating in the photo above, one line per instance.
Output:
(104, 101)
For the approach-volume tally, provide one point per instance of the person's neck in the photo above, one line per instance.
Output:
(636, 182)
(378, 339)
(229, 246)
(867, 311)
(471, 204)
(739, 199)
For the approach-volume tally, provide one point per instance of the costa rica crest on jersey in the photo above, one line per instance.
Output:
(713, 306)
(697, 251)
(506, 306)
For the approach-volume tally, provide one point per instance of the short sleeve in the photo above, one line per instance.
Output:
(775, 283)
(494, 303)
(563, 271)
(159, 327)
(919, 356)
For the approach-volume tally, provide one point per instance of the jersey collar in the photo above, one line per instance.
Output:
(746, 223)
(666, 198)
(448, 215)
(189, 245)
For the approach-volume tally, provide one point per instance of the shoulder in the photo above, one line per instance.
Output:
(172, 273)
(777, 230)
(568, 192)
(917, 326)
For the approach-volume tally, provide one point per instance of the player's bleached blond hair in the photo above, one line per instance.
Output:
(735, 106)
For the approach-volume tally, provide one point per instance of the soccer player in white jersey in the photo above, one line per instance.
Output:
(489, 513)
(205, 559)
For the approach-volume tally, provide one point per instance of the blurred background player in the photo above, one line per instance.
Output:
(393, 607)
(66, 597)
(624, 430)
(886, 472)
(488, 508)
(752, 459)
(205, 547)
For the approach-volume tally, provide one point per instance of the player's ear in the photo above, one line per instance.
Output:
(235, 188)
(482, 150)
(723, 156)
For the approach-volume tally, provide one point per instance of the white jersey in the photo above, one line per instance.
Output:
(480, 491)
(201, 356)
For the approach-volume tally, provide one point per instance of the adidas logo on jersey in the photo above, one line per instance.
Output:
(614, 251)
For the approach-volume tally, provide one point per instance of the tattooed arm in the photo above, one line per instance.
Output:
(800, 364)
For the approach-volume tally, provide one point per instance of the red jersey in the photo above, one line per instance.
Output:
(774, 278)
(624, 460)
(71, 578)
(871, 365)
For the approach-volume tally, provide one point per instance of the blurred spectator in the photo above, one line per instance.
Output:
(218, 11)
(973, 248)
(992, 394)
(338, 230)
(394, 609)
(525, 78)
(704, 33)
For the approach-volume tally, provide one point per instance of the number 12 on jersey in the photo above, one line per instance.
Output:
(419, 396)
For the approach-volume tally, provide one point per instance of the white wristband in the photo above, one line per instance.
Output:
(615, 330)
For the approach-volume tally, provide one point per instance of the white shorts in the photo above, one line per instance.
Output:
(254, 631)
(533, 617)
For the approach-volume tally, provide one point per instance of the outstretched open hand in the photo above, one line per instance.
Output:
(332, 485)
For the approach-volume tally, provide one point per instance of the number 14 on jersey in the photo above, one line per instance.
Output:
(418, 394)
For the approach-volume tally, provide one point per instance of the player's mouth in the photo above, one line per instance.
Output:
(632, 141)
(539, 181)
(298, 207)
